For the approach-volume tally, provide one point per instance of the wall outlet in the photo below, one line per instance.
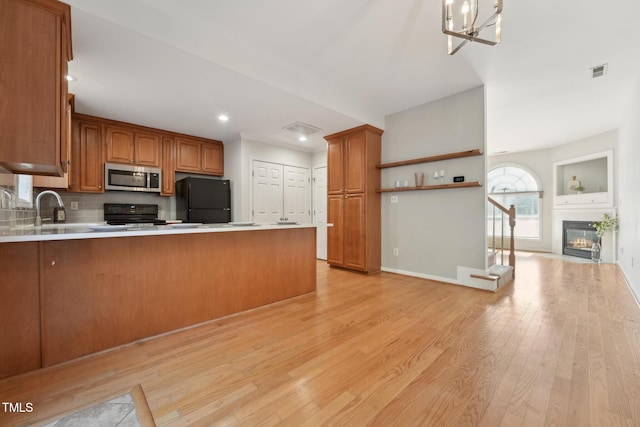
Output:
(395, 251)
(394, 199)
(74, 206)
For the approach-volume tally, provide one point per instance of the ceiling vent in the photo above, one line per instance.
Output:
(302, 128)
(599, 70)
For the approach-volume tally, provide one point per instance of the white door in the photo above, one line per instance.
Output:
(320, 210)
(267, 191)
(297, 200)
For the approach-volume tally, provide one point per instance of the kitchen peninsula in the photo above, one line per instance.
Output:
(69, 291)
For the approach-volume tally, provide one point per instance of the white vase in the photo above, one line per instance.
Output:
(572, 185)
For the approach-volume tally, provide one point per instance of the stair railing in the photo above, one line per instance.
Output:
(511, 214)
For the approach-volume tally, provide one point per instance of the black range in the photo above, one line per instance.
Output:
(127, 213)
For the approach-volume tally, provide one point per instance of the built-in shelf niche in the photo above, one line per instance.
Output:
(595, 173)
(437, 158)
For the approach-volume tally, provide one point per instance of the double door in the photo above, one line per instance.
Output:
(279, 192)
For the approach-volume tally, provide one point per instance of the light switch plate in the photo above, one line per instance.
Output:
(394, 199)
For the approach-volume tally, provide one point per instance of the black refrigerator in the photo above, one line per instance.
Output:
(203, 200)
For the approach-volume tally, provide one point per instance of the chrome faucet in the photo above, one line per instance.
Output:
(6, 199)
(53, 193)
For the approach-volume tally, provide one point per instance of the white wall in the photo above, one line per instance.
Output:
(593, 144)
(540, 162)
(435, 231)
(233, 172)
(319, 158)
(242, 156)
(629, 196)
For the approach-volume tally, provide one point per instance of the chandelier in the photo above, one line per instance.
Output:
(460, 19)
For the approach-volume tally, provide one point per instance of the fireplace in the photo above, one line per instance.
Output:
(577, 238)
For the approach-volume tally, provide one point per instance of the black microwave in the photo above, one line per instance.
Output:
(132, 178)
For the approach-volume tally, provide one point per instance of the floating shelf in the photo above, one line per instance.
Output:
(433, 187)
(460, 154)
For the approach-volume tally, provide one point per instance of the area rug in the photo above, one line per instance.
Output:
(127, 410)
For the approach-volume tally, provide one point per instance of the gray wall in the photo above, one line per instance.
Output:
(629, 196)
(435, 231)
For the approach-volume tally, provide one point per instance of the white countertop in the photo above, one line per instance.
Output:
(84, 231)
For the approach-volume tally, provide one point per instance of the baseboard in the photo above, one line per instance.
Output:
(635, 294)
(477, 284)
(422, 276)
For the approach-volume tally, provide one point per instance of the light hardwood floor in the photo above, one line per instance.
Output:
(559, 346)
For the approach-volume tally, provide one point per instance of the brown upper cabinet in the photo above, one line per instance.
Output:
(35, 49)
(64, 181)
(199, 156)
(132, 147)
(87, 172)
(351, 153)
(168, 167)
(97, 140)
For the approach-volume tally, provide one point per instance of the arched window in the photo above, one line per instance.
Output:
(511, 185)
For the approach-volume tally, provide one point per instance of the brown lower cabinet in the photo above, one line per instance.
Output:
(101, 293)
(350, 243)
(19, 309)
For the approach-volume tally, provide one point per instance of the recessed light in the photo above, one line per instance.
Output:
(70, 78)
(302, 139)
(223, 118)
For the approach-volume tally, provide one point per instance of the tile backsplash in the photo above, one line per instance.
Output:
(10, 215)
(90, 206)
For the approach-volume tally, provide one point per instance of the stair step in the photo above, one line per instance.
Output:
(499, 270)
(504, 273)
(490, 277)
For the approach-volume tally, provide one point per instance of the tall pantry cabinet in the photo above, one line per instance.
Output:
(353, 206)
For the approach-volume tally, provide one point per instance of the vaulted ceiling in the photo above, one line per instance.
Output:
(335, 64)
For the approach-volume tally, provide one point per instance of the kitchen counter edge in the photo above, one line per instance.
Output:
(70, 232)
